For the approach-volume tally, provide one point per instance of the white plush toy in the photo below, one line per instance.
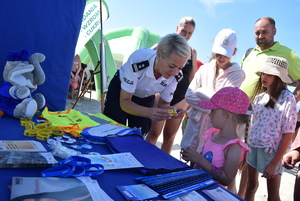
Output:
(22, 74)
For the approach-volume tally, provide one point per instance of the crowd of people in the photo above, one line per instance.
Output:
(239, 118)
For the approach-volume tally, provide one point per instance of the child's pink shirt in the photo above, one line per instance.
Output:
(214, 153)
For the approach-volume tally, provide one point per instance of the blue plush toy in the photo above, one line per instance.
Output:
(22, 74)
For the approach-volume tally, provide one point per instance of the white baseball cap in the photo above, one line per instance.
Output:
(225, 42)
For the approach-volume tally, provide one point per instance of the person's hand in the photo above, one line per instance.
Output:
(180, 113)
(290, 159)
(189, 154)
(269, 172)
(159, 114)
(76, 78)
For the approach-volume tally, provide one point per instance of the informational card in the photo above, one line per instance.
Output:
(137, 192)
(219, 194)
(13, 159)
(192, 196)
(79, 188)
(22, 145)
(104, 130)
(115, 161)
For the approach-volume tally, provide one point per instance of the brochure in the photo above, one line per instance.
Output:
(22, 145)
(14, 159)
(56, 188)
(191, 196)
(137, 192)
(115, 161)
(106, 130)
(219, 194)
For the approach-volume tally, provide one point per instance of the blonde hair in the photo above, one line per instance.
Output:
(242, 121)
(173, 43)
(187, 20)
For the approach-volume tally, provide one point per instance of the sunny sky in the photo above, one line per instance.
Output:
(162, 16)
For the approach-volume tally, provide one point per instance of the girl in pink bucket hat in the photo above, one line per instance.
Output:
(271, 127)
(223, 150)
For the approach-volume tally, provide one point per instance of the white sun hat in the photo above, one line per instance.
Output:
(276, 66)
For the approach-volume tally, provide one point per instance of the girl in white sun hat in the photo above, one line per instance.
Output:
(271, 127)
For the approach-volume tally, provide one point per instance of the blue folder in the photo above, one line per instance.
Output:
(155, 160)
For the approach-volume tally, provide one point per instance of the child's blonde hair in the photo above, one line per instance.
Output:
(243, 121)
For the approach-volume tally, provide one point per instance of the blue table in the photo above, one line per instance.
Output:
(10, 129)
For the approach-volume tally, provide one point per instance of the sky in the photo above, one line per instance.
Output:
(211, 16)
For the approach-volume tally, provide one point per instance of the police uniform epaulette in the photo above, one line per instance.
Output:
(179, 77)
(140, 66)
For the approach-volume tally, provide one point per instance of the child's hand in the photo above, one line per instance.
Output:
(269, 172)
(290, 159)
(189, 154)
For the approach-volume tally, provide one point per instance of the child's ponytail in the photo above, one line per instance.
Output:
(243, 163)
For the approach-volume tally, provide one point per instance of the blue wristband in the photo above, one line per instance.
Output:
(79, 171)
(76, 166)
(90, 172)
(75, 160)
(61, 170)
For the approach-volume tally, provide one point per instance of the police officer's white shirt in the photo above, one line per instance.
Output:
(143, 83)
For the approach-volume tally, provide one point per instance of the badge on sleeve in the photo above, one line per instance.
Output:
(179, 77)
(140, 66)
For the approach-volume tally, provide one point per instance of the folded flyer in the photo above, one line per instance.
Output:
(219, 194)
(15, 159)
(21, 145)
(137, 192)
(115, 161)
(56, 188)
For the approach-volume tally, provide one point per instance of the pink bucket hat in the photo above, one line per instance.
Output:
(231, 99)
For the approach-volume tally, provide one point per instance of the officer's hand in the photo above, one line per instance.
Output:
(159, 114)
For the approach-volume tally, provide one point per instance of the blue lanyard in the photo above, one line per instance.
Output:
(75, 166)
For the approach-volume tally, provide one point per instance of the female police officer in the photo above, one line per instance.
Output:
(130, 95)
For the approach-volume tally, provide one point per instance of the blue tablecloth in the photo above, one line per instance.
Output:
(10, 129)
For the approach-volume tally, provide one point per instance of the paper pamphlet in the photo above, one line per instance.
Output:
(21, 145)
(107, 130)
(56, 188)
(12, 159)
(115, 161)
(192, 196)
(137, 192)
(219, 194)
(95, 190)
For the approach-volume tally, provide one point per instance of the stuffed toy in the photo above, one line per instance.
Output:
(21, 76)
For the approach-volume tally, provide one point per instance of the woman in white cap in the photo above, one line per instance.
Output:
(218, 73)
(271, 127)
